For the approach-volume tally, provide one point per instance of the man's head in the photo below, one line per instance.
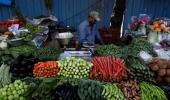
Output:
(93, 17)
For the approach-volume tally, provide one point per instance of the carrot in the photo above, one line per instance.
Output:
(46, 69)
(108, 68)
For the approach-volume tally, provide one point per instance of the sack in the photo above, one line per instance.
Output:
(6, 2)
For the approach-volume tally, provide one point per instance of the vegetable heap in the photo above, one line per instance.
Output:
(42, 88)
(161, 68)
(109, 50)
(52, 88)
(74, 68)
(14, 91)
(140, 71)
(65, 92)
(132, 50)
(130, 90)
(108, 69)
(112, 92)
(6, 57)
(47, 53)
(33, 28)
(22, 49)
(22, 66)
(151, 92)
(5, 76)
(46, 69)
(137, 45)
(90, 90)
(26, 36)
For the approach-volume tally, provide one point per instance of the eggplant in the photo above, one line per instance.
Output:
(24, 62)
(67, 91)
(22, 66)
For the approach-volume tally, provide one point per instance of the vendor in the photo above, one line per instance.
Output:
(87, 29)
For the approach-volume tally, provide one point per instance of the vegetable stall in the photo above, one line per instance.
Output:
(32, 71)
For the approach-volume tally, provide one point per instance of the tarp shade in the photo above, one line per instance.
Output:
(6, 2)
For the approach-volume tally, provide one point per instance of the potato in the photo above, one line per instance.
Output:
(162, 72)
(154, 67)
(162, 63)
(168, 72)
(155, 60)
(168, 66)
(167, 79)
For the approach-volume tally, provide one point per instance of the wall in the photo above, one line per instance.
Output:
(69, 12)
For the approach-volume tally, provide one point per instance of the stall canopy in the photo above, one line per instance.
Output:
(69, 12)
(6, 2)
(72, 12)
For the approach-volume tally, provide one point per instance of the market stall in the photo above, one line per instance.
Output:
(32, 70)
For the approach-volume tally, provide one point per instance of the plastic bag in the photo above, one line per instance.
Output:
(144, 19)
(40, 38)
(147, 58)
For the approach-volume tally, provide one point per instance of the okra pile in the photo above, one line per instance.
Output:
(74, 68)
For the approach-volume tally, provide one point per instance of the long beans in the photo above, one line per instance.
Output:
(151, 92)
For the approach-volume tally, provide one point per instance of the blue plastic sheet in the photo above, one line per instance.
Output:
(6, 2)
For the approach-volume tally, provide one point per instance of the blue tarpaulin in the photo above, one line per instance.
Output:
(69, 12)
(6, 2)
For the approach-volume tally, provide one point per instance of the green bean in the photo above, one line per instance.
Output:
(22, 49)
(150, 92)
